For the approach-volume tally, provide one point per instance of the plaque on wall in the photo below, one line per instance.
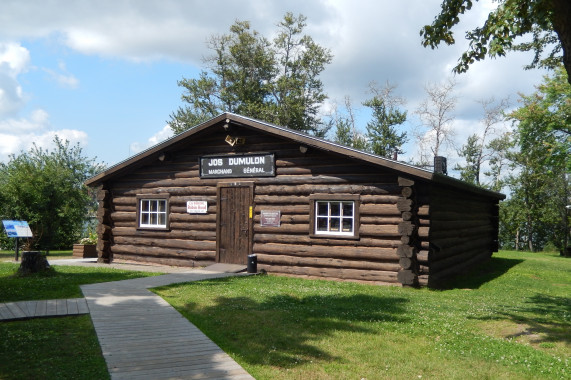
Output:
(270, 218)
(238, 165)
(197, 207)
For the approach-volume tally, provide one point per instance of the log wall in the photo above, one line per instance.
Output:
(462, 230)
(410, 231)
(287, 249)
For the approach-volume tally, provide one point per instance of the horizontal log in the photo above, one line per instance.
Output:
(423, 211)
(423, 232)
(423, 256)
(162, 260)
(325, 262)
(192, 218)
(180, 200)
(334, 273)
(193, 226)
(436, 234)
(338, 169)
(379, 209)
(299, 209)
(283, 229)
(197, 190)
(459, 224)
(288, 219)
(450, 261)
(193, 245)
(342, 252)
(363, 242)
(438, 277)
(459, 215)
(380, 220)
(363, 189)
(173, 253)
(172, 234)
(478, 244)
(391, 231)
(122, 208)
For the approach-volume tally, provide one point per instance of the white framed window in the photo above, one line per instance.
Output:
(335, 216)
(153, 212)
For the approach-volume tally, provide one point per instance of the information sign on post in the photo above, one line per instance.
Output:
(17, 229)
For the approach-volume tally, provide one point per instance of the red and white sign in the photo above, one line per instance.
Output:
(197, 207)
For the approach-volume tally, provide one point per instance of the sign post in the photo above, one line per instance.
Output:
(17, 229)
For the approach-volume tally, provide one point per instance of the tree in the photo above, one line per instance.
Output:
(548, 22)
(436, 116)
(476, 151)
(383, 138)
(346, 132)
(46, 189)
(274, 81)
(540, 183)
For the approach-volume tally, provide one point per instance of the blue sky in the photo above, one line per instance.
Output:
(104, 73)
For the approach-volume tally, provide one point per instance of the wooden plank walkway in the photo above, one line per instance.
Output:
(143, 337)
(10, 311)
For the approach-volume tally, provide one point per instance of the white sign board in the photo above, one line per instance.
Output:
(197, 207)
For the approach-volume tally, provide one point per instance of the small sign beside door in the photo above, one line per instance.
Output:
(270, 218)
(197, 207)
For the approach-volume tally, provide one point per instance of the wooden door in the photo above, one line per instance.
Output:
(234, 231)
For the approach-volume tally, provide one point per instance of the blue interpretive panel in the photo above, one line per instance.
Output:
(17, 229)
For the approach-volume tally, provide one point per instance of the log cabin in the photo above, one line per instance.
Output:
(234, 186)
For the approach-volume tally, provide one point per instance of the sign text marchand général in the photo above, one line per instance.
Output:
(244, 165)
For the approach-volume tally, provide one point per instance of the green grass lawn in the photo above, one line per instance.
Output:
(52, 348)
(63, 282)
(511, 318)
(7, 255)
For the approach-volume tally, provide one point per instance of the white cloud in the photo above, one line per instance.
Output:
(158, 137)
(14, 144)
(63, 77)
(14, 59)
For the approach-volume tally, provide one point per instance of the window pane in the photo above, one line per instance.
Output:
(322, 209)
(347, 225)
(144, 218)
(321, 224)
(153, 219)
(163, 219)
(145, 205)
(154, 205)
(347, 209)
(162, 206)
(334, 224)
(335, 209)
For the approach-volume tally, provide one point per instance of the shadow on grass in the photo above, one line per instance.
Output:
(541, 318)
(479, 275)
(286, 330)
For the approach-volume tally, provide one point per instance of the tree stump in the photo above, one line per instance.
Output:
(33, 262)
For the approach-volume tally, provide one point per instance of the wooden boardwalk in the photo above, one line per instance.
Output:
(143, 337)
(45, 308)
